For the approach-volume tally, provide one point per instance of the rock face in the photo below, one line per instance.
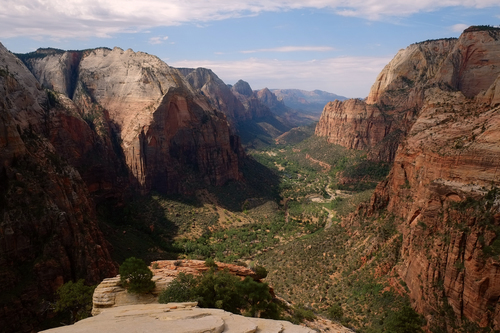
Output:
(176, 318)
(378, 123)
(109, 293)
(168, 136)
(48, 226)
(443, 183)
(246, 110)
(219, 94)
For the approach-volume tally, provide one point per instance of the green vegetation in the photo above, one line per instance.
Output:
(220, 289)
(75, 300)
(136, 276)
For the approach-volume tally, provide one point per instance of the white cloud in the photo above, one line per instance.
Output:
(459, 27)
(348, 76)
(84, 18)
(293, 49)
(157, 40)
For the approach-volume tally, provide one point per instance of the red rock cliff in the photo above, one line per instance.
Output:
(168, 136)
(442, 187)
(378, 123)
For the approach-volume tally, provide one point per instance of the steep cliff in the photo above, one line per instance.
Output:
(48, 227)
(378, 123)
(443, 186)
(144, 112)
(247, 112)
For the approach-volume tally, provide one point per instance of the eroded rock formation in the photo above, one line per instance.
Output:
(110, 293)
(177, 318)
(169, 136)
(443, 186)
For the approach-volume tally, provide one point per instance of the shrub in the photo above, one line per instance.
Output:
(75, 299)
(220, 289)
(210, 262)
(261, 272)
(136, 276)
(335, 312)
(403, 321)
(181, 289)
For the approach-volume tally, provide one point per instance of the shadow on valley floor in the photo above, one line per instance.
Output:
(147, 226)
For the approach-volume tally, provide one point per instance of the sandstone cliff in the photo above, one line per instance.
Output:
(443, 186)
(378, 123)
(144, 112)
(247, 111)
(178, 318)
(48, 227)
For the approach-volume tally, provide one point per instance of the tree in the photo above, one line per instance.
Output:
(220, 289)
(181, 289)
(136, 276)
(406, 320)
(75, 299)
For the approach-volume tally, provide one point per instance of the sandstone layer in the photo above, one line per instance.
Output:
(176, 318)
(167, 135)
(109, 293)
(442, 189)
(48, 227)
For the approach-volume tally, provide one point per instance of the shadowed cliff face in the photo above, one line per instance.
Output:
(444, 180)
(48, 227)
(248, 112)
(159, 132)
(115, 121)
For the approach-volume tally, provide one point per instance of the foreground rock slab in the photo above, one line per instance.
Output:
(175, 318)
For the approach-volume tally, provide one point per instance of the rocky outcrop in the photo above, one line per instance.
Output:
(110, 293)
(253, 107)
(219, 94)
(176, 318)
(168, 136)
(48, 226)
(443, 186)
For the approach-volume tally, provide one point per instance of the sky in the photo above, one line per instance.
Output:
(338, 46)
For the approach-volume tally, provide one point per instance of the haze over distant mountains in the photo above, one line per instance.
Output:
(311, 102)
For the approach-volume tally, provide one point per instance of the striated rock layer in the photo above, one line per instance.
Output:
(110, 293)
(177, 318)
(168, 136)
(48, 227)
(469, 64)
(443, 186)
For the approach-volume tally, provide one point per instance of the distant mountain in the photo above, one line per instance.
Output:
(311, 102)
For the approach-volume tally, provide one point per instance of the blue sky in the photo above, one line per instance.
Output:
(334, 45)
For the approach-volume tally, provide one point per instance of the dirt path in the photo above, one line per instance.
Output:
(331, 215)
(325, 166)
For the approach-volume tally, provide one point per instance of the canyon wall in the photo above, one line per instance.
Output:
(442, 190)
(48, 227)
(168, 136)
(85, 127)
(379, 122)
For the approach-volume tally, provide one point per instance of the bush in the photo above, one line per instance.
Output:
(404, 321)
(181, 289)
(136, 276)
(75, 299)
(210, 262)
(261, 272)
(335, 312)
(220, 289)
